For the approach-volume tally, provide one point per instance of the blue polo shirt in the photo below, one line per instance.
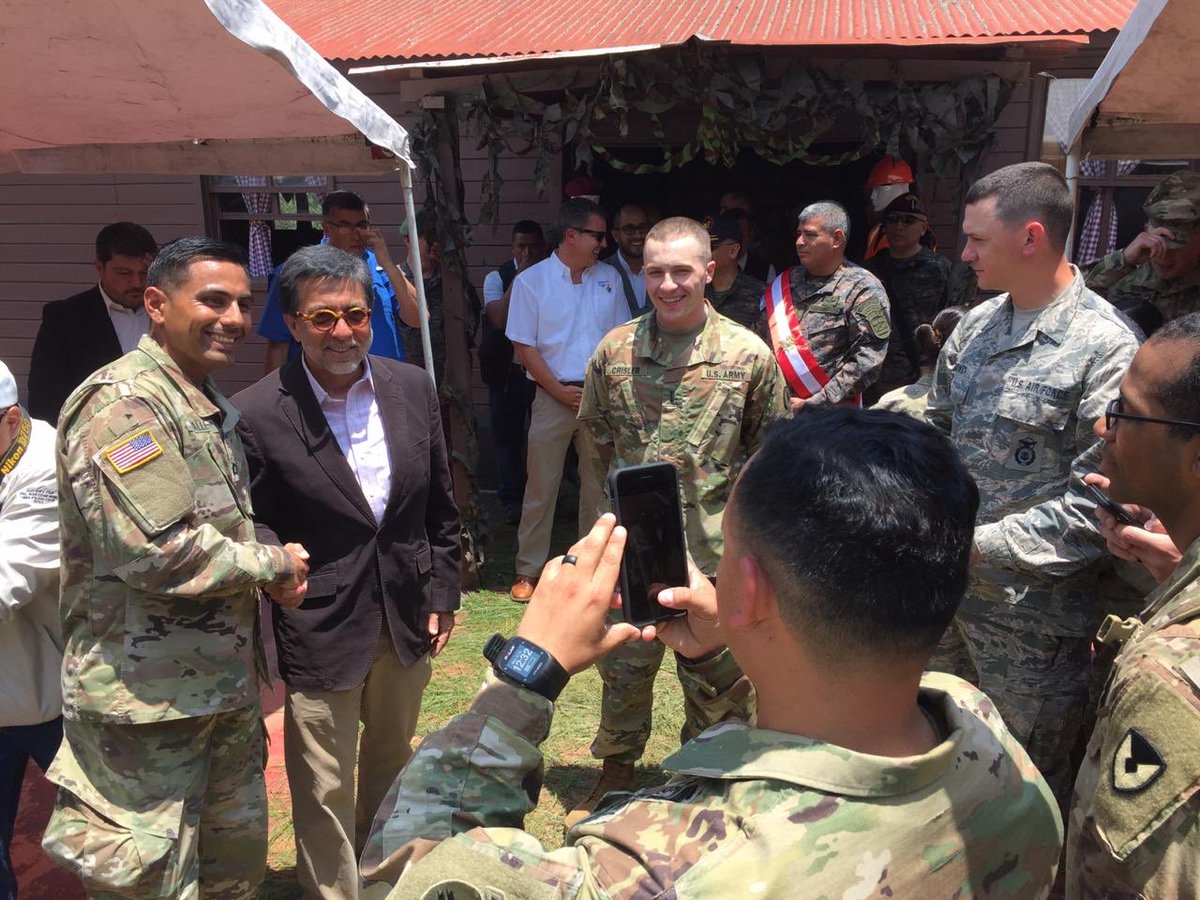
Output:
(384, 339)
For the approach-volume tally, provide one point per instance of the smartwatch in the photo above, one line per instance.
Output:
(526, 665)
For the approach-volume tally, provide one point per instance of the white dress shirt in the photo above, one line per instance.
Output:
(129, 324)
(358, 427)
(563, 321)
(636, 279)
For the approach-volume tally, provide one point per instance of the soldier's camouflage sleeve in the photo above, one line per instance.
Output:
(1058, 537)
(483, 768)
(870, 325)
(469, 786)
(717, 688)
(1106, 272)
(141, 522)
(767, 402)
(593, 410)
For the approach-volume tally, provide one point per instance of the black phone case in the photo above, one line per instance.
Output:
(614, 479)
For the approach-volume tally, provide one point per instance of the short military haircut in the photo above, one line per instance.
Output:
(170, 267)
(321, 263)
(833, 216)
(342, 200)
(528, 226)
(681, 226)
(574, 213)
(862, 522)
(1029, 192)
(1180, 397)
(124, 239)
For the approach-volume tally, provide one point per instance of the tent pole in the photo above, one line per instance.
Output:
(1072, 176)
(414, 263)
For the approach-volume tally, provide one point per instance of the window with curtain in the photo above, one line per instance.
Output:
(270, 216)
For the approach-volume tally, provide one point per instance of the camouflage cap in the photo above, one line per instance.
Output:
(1175, 205)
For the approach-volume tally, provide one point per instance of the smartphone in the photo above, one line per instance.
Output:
(646, 502)
(1111, 506)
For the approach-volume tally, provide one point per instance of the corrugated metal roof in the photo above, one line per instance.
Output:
(418, 29)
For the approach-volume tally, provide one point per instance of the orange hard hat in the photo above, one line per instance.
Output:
(889, 171)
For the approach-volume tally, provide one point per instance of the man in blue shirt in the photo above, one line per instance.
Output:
(347, 225)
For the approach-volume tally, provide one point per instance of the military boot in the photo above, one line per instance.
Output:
(614, 776)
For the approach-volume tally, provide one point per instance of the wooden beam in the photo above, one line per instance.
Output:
(1142, 141)
(457, 375)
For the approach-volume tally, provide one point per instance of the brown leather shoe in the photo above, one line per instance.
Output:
(615, 776)
(522, 588)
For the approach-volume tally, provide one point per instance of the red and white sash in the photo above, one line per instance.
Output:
(801, 370)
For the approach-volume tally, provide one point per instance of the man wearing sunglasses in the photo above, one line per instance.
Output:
(916, 280)
(346, 221)
(559, 311)
(347, 456)
(1134, 818)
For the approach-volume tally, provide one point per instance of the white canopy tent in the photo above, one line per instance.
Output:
(203, 87)
(1141, 103)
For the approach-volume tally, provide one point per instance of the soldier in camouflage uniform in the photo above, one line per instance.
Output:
(160, 773)
(842, 310)
(1018, 387)
(1160, 269)
(1135, 819)
(917, 283)
(732, 292)
(683, 385)
(862, 779)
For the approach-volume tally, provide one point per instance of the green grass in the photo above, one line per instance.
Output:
(457, 674)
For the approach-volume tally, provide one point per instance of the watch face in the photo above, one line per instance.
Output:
(522, 660)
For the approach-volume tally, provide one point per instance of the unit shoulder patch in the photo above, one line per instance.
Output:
(1136, 764)
(877, 318)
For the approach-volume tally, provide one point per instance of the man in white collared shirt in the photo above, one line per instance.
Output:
(347, 457)
(558, 312)
(88, 330)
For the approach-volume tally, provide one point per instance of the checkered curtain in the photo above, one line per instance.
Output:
(260, 229)
(1090, 247)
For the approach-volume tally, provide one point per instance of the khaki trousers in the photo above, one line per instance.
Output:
(552, 428)
(320, 740)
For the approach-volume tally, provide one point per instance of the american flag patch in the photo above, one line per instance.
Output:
(137, 451)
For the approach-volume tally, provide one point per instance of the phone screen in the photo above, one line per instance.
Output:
(646, 501)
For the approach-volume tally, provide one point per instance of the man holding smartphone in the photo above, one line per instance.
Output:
(1134, 829)
(861, 777)
(685, 385)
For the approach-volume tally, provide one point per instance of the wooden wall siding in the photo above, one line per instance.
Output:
(48, 228)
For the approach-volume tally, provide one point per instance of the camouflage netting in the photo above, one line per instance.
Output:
(944, 127)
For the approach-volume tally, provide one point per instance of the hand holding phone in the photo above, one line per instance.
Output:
(1111, 506)
(646, 502)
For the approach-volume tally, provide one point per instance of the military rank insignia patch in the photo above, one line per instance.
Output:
(133, 452)
(1136, 764)
(877, 318)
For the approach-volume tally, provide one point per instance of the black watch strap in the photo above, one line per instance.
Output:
(526, 665)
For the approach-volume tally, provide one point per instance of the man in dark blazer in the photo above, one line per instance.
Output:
(347, 457)
(80, 334)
